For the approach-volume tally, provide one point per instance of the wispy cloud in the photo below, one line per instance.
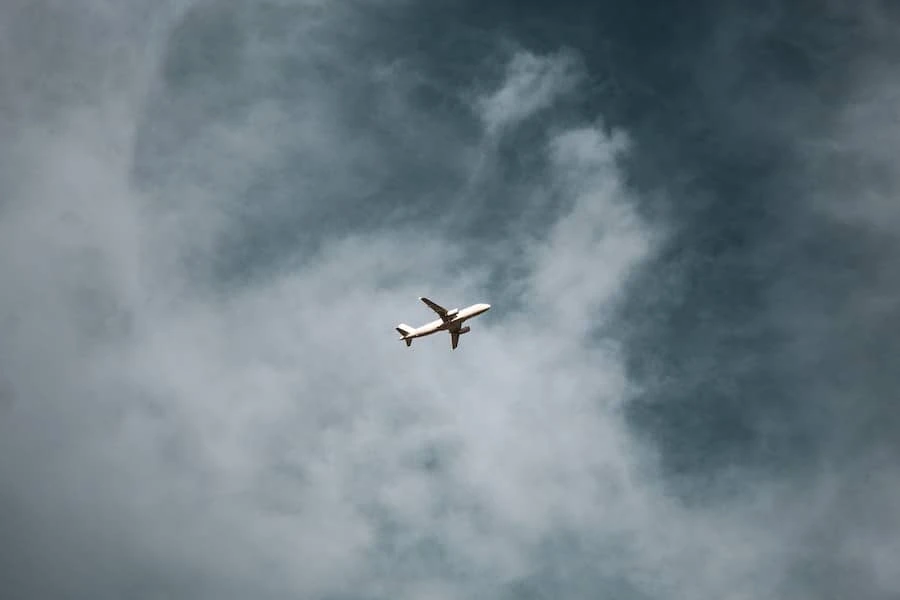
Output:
(185, 424)
(278, 438)
(532, 84)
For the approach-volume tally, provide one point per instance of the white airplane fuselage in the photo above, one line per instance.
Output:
(450, 321)
(455, 322)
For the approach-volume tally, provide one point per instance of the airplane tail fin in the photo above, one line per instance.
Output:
(404, 330)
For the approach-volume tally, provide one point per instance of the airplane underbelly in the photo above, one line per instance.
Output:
(433, 326)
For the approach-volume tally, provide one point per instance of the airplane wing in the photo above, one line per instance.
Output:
(440, 310)
(454, 339)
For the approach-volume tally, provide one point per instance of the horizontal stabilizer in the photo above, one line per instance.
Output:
(404, 330)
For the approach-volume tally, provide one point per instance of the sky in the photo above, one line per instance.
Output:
(214, 213)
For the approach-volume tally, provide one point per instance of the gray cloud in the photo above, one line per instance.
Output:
(177, 439)
(532, 84)
(207, 241)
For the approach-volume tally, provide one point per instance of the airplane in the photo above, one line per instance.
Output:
(450, 321)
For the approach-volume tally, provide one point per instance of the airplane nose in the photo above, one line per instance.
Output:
(487, 307)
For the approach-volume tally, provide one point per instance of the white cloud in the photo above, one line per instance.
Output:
(533, 83)
(261, 438)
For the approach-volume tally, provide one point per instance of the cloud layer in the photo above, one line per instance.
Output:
(214, 213)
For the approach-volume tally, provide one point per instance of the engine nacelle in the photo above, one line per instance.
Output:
(465, 329)
(452, 313)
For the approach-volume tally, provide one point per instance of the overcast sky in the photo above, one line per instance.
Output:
(684, 215)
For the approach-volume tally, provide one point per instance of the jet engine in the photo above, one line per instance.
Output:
(465, 329)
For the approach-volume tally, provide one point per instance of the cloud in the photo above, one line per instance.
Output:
(272, 437)
(532, 84)
(203, 263)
